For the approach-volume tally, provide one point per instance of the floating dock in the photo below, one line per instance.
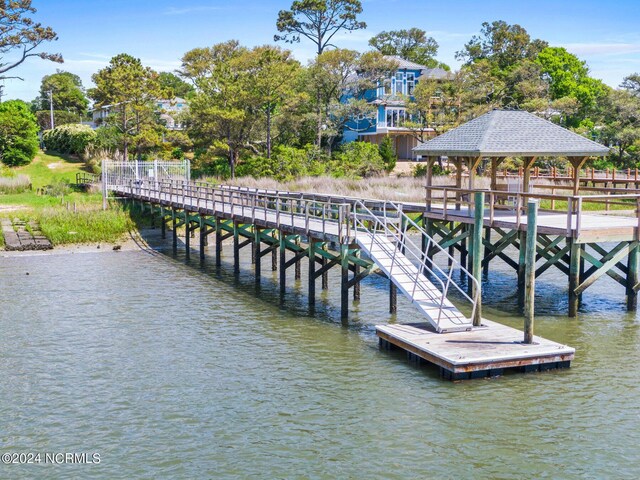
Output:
(485, 351)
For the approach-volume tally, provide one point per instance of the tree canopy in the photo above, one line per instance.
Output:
(18, 133)
(318, 21)
(503, 45)
(174, 86)
(129, 89)
(413, 45)
(20, 35)
(67, 92)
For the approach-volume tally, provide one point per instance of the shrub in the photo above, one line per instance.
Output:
(18, 133)
(71, 138)
(357, 159)
(388, 154)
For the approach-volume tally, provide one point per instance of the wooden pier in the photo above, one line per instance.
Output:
(359, 237)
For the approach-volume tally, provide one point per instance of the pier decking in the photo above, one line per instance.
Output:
(488, 350)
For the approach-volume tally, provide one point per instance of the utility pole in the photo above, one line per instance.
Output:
(1, 92)
(50, 92)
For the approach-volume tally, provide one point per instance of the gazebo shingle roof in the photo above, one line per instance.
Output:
(507, 133)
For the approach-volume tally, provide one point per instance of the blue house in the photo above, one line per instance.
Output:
(390, 100)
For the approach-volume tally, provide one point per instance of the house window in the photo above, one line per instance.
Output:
(399, 83)
(396, 117)
(386, 87)
(411, 82)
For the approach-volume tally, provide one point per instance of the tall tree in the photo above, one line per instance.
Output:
(128, 89)
(274, 73)
(20, 36)
(631, 83)
(621, 109)
(174, 86)
(503, 45)
(223, 115)
(413, 45)
(67, 92)
(318, 20)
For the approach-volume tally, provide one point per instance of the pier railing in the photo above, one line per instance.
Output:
(326, 218)
(457, 202)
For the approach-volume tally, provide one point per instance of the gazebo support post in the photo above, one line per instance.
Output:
(577, 163)
(430, 162)
(457, 161)
(473, 163)
(526, 179)
(495, 161)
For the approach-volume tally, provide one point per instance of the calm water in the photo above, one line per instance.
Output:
(170, 369)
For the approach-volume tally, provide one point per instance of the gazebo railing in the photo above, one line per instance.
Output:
(511, 207)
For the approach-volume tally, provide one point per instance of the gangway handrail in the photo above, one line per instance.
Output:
(405, 244)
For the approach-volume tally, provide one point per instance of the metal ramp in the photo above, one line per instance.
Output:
(383, 236)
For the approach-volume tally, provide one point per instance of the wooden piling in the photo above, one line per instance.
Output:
(175, 228)
(187, 234)
(477, 254)
(298, 270)
(530, 270)
(218, 242)
(344, 284)
(312, 273)
(236, 247)
(163, 223)
(283, 262)
(522, 240)
(325, 273)
(203, 237)
(632, 278)
(274, 260)
(574, 276)
(256, 253)
(356, 285)
(487, 238)
(393, 297)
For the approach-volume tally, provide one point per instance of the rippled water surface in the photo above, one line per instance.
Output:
(173, 369)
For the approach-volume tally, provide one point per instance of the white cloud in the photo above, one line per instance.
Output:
(602, 48)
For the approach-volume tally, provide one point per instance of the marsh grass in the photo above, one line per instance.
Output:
(400, 189)
(15, 184)
(86, 225)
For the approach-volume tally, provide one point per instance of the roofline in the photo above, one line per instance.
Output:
(477, 153)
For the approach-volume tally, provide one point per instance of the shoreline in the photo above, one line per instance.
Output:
(134, 241)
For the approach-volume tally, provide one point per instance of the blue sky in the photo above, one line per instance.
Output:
(161, 31)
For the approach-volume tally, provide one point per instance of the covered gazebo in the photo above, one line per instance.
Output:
(500, 134)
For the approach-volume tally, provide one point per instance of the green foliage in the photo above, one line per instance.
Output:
(502, 44)
(174, 86)
(67, 92)
(357, 160)
(388, 153)
(73, 138)
(18, 133)
(60, 117)
(318, 21)
(568, 77)
(86, 226)
(21, 33)
(413, 45)
(131, 89)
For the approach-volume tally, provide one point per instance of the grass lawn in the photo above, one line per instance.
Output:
(62, 226)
